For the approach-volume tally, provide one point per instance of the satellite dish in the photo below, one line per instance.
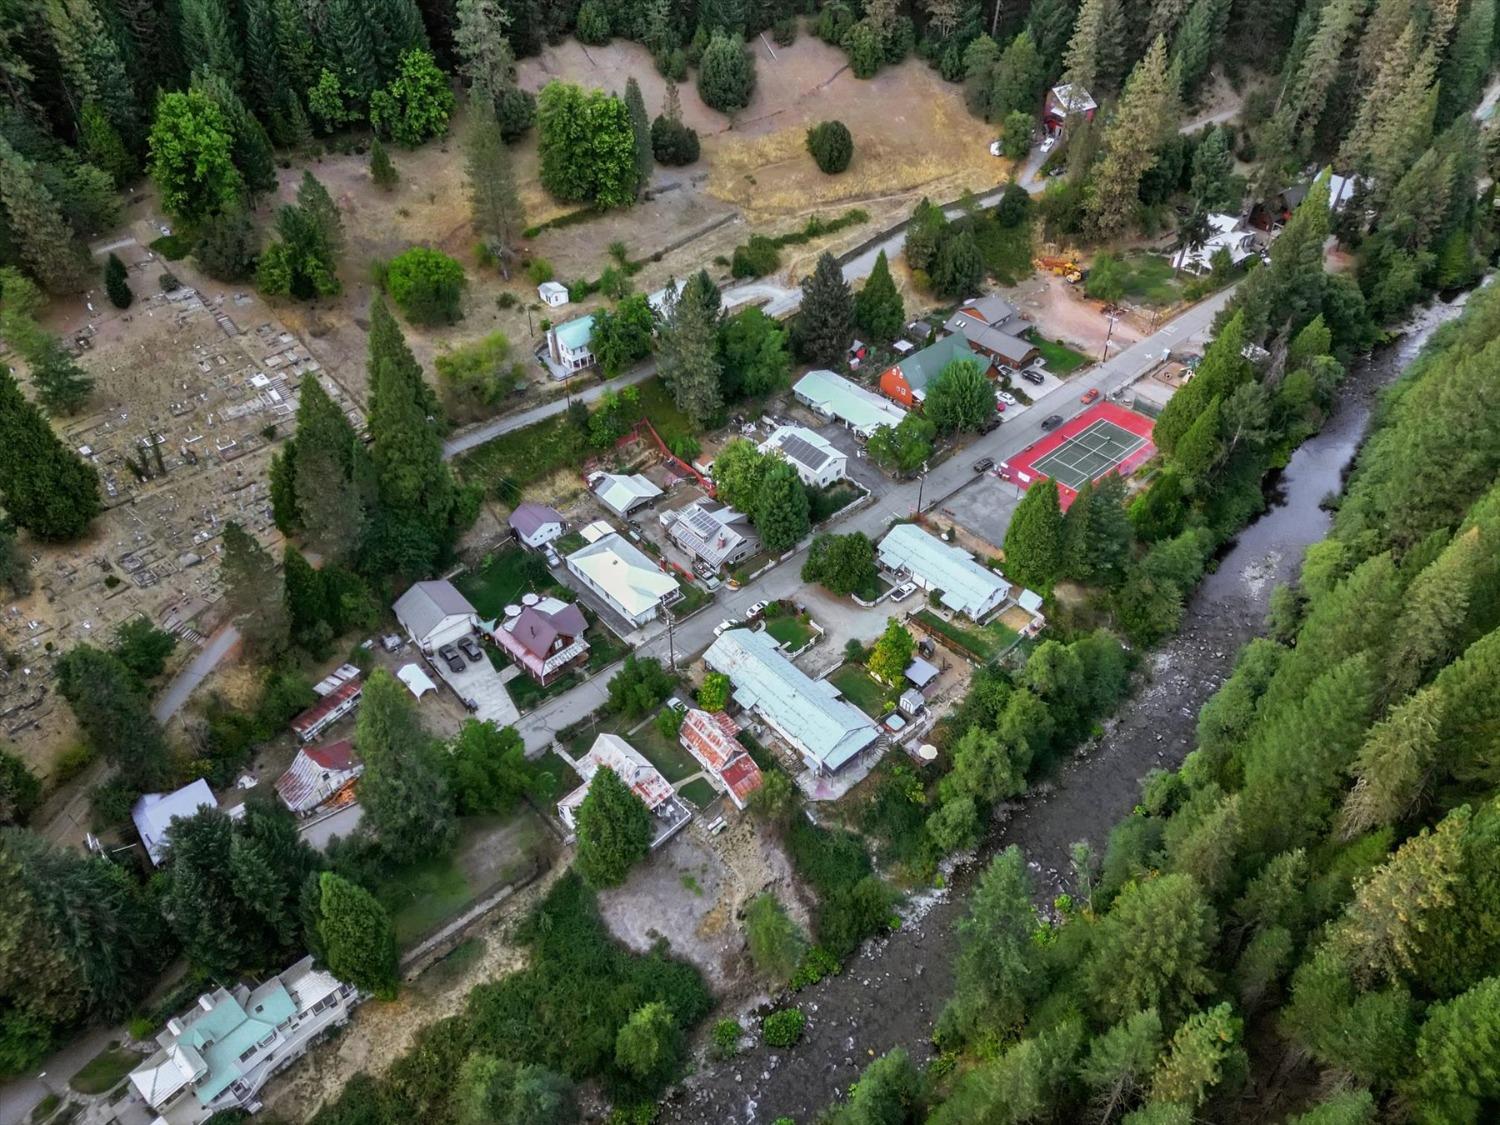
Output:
(512, 611)
(530, 599)
(927, 752)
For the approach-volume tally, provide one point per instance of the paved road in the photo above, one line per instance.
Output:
(693, 636)
(186, 682)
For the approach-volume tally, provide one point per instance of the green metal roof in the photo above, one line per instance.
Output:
(224, 1034)
(575, 334)
(921, 368)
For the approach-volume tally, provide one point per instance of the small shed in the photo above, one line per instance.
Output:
(554, 294)
(921, 673)
(911, 701)
(418, 682)
(154, 813)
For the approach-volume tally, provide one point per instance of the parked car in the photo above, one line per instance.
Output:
(553, 559)
(1007, 398)
(1089, 396)
(984, 464)
(995, 148)
(451, 658)
(676, 704)
(723, 626)
(756, 610)
(1031, 375)
(991, 424)
(1048, 141)
(905, 590)
(999, 407)
(1052, 422)
(471, 649)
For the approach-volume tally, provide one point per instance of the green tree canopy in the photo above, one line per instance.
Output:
(614, 830)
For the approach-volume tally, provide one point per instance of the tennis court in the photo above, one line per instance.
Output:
(1106, 438)
(1089, 455)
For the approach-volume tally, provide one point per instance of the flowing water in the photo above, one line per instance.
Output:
(890, 994)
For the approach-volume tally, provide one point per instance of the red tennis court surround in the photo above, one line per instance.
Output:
(1103, 439)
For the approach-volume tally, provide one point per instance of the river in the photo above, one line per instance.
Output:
(890, 994)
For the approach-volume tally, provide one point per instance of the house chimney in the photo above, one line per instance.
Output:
(206, 1002)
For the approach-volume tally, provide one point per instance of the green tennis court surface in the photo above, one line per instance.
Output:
(1090, 454)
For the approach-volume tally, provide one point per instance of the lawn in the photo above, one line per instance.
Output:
(674, 762)
(699, 792)
(491, 850)
(693, 598)
(503, 578)
(743, 572)
(984, 642)
(554, 778)
(1060, 359)
(823, 503)
(105, 1070)
(859, 689)
(790, 630)
(43, 1109)
(570, 542)
(658, 405)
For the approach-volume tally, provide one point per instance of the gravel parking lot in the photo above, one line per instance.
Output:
(984, 507)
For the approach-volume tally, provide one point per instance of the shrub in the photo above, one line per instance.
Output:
(416, 105)
(673, 143)
(726, 1038)
(426, 284)
(539, 270)
(117, 283)
(726, 74)
(515, 109)
(783, 1029)
(831, 146)
(757, 258)
(784, 31)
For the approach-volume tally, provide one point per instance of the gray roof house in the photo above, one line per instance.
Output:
(993, 326)
(435, 614)
(714, 533)
(220, 1053)
(622, 494)
(807, 713)
(817, 460)
(154, 812)
(968, 588)
(536, 524)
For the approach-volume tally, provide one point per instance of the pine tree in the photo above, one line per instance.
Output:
(1467, 62)
(640, 125)
(114, 715)
(1018, 79)
(878, 311)
(1395, 765)
(46, 488)
(357, 937)
(1050, 23)
(1305, 98)
(42, 236)
(997, 973)
(1456, 1071)
(402, 789)
(1151, 950)
(101, 145)
(825, 324)
(382, 171)
(1213, 184)
(687, 355)
(498, 217)
(1291, 289)
(614, 830)
(61, 385)
(1144, 118)
(252, 588)
(306, 602)
(1120, 1060)
(349, 46)
(116, 283)
(209, 39)
(1034, 540)
(327, 484)
(93, 66)
(1203, 1048)
(265, 78)
(1196, 41)
(486, 59)
(1081, 63)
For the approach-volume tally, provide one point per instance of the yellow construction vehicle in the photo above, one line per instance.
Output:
(1064, 267)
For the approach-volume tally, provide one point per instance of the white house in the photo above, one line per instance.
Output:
(554, 294)
(571, 344)
(220, 1053)
(713, 533)
(966, 587)
(610, 751)
(626, 578)
(1229, 233)
(622, 493)
(825, 730)
(817, 461)
(833, 396)
(536, 525)
(154, 812)
(435, 614)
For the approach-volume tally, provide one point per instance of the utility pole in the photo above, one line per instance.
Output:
(1104, 358)
(671, 645)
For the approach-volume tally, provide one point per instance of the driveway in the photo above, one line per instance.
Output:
(186, 682)
(480, 687)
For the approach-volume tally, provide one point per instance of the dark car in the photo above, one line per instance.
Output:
(451, 658)
(984, 464)
(1032, 376)
(1052, 422)
(991, 425)
(471, 649)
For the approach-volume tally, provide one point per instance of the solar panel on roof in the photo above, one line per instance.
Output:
(804, 452)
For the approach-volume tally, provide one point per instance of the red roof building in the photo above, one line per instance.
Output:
(711, 739)
(545, 639)
(328, 710)
(318, 775)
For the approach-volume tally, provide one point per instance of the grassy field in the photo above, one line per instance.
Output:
(984, 642)
(859, 689)
(699, 792)
(504, 578)
(104, 1071)
(1149, 280)
(491, 850)
(790, 630)
(555, 778)
(1060, 359)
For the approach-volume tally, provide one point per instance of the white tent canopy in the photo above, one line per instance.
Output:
(416, 680)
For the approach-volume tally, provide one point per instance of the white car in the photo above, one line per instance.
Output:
(756, 610)
(994, 148)
(1007, 398)
(903, 591)
(1048, 142)
(724, 626)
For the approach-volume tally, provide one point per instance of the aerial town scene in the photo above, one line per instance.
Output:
(749, 562)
